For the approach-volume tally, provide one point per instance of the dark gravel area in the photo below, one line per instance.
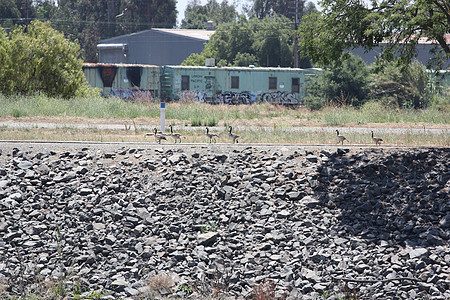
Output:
(135, 221)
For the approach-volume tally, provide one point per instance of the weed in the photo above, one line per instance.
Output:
(210, 121)
(264, 291)
(207, 228)
(17, 113)
(185, 289)
(94, 295)
(161, 284)
(350, 292)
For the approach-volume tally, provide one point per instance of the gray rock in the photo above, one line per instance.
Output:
(4, 184)
(207, 238)
(418, 252)
(135, 214)
(25, 165)
(309, 201)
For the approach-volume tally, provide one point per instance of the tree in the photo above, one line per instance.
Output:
(273, 42)
(345, 24)
(263, 8)
(343, 83)
(9, 13)
(196, 15)
(138, 15)
(266, 43)
(407, 89)
(53, 63)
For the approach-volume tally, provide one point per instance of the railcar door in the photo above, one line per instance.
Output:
(210, 88)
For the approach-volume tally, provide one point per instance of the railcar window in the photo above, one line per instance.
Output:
(295, 85)
(234, 82)
(272, 83)
(184, 82)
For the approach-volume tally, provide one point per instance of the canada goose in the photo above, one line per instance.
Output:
(233, 136)
(158, 135)
(211, 136)
(341, 138)
(176, 136)
(376, 140)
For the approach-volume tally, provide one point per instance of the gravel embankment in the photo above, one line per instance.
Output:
(211, 220)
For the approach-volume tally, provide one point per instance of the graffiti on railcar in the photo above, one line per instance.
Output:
(192, 96)
(234, 98)
(279, 97)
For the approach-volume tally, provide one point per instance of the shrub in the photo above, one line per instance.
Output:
(54, 66)
(347, 79)
(401, 88)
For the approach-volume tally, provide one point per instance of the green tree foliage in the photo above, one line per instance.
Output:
(396, 89)
(344, 82)
(345, 24)
(287, 8)
(53, 66)
(137, 15)
(265, 43)
(196, 15)
(9, 13)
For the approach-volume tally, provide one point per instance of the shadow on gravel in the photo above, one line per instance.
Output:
(389, 198)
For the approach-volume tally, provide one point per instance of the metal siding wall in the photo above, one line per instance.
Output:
(93, 77)
(150, 78)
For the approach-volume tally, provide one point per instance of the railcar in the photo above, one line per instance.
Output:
(235, 85)
(229, 85)
(124, 80)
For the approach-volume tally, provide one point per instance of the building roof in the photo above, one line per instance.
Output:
(425, 40)
(239, 68)
(200, 34)
(95, 65)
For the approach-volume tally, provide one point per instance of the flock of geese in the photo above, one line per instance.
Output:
(159, 136)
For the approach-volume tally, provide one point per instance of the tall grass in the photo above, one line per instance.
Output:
(41, 106)
(375, 112)
(199, 114)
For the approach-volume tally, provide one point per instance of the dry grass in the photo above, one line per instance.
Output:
(264, 291)
(158, 285)
(197, 135)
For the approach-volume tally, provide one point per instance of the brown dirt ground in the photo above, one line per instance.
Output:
(266, 122)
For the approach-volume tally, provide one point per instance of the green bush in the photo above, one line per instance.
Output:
(53, 63)
(401, 88)
(343, 83)
(314, 102)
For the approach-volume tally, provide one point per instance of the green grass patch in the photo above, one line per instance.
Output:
(375, 112)
(201, 114)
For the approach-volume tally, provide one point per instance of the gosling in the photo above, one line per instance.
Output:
(176, 136)
(211, 136)
(233, 136)
(376, 140)
(340, 138)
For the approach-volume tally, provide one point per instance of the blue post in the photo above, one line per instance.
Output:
(163, 117)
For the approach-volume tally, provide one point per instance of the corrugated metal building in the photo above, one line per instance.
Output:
(172, 46)
(153, 47)
(423, 49)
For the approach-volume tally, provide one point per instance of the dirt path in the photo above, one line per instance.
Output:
(120, 125)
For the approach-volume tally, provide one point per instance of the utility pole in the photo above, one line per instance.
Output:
(110, 13)
(298, 13)
(296, 38)
(27, 16)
